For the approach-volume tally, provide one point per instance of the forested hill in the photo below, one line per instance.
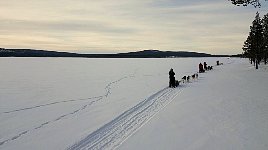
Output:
(139, 54)
(161, 54)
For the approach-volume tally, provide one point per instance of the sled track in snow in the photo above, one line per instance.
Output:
(108, 89)
(112, 134)
(53, 103)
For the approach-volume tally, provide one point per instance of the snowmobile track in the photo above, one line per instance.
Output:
(112, 134)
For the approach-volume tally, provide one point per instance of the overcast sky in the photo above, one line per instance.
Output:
(97, 26)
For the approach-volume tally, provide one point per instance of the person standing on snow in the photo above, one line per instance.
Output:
(201, 69)
(171, 78)
(205, 66)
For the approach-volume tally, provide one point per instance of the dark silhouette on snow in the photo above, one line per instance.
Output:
(171, 78)
(205, 66)
(193, 76)
(188, 78)
(177, 83)
(210, 67)
(183, 79)
(201, 69)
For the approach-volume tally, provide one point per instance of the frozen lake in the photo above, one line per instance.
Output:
(25, 81)
(50, 103)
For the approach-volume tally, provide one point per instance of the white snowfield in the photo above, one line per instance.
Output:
(70, 103)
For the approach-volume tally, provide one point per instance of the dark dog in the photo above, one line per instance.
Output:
(188, 78)
(177, 83)
(193, 76)
(196, 75)
(183, 78)
(210, 67)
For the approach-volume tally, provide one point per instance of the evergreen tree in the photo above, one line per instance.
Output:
(257, 39)
(247, 48)
(255, 3)
(265, 37)
(253, 46)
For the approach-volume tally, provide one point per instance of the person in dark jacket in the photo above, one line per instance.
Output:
(171, 78)
(205, 66)
(201, 69)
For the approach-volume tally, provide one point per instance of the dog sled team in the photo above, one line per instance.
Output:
(202, 68)
(174, 83)
(205, 68)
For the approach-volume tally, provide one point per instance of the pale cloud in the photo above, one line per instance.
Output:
(64, 26)
(216, 27)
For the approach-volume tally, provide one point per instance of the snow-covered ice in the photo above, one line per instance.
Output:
(74, 103)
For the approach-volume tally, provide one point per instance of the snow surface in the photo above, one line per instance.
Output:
(74, 103)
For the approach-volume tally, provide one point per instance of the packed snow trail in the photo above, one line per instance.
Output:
(226, 111)
(115, 132)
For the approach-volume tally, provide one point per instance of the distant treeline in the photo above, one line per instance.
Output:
(139, 54)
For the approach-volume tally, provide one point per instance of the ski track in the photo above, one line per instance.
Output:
(48, 104)
(107, 88)
(112, 134)
(98, 98)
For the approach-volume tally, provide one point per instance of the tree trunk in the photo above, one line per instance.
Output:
(257, 66)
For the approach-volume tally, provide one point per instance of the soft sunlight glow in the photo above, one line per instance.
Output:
(215, 27)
